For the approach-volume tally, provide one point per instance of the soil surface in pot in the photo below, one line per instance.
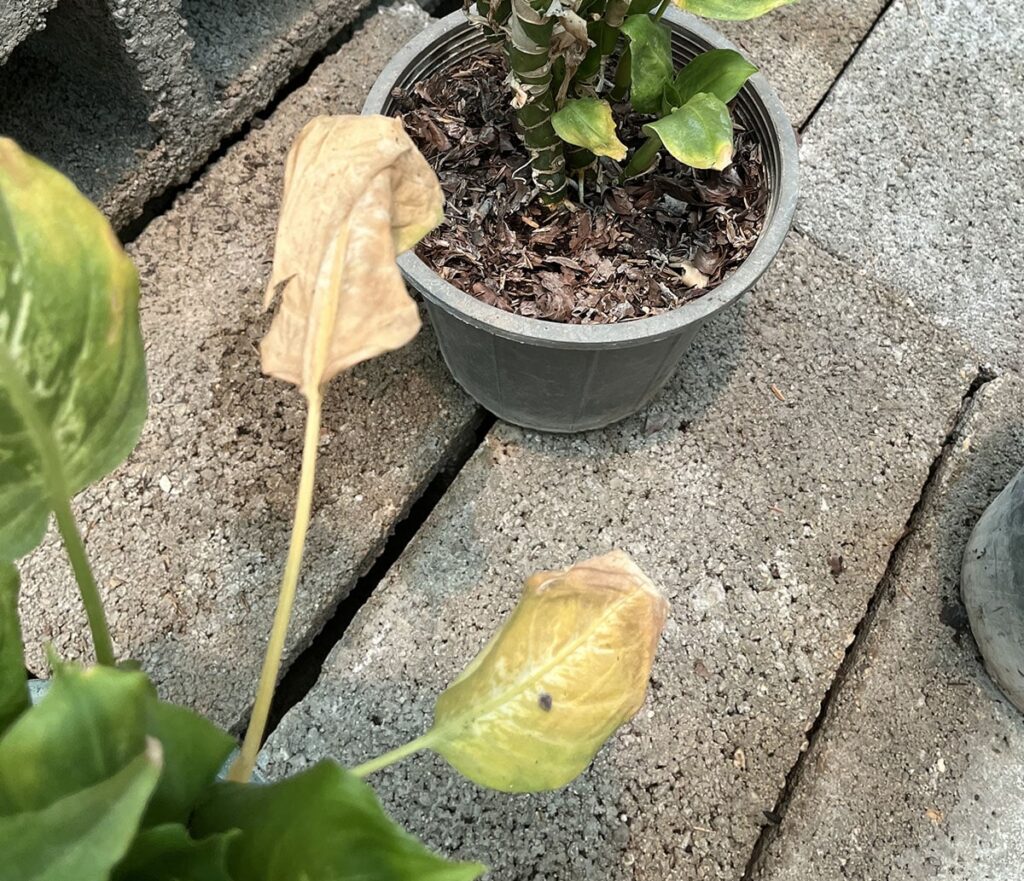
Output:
(626, 252)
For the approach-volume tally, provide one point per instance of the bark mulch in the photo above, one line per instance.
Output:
(623, 253)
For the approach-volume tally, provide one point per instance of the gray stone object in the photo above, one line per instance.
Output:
(993, 589)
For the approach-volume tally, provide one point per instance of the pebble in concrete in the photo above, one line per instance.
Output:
(764, 491)
(189, 538)
(801, 49)
(918, 771)
(914, 167)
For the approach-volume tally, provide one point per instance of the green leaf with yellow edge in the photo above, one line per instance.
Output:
(81, 836)
(650, 58)
(588, 122)
(72, 376)
(721, 72)
(13, 679)
(323, 824)
(698, 134)
(731, 10)
(569, 666)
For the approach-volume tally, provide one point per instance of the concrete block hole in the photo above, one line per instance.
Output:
(70, 94)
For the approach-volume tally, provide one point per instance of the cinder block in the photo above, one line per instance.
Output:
(129, 97)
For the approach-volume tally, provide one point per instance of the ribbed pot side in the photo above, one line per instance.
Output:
(567, 377)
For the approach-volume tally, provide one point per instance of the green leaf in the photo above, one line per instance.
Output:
(167, 853)
(194, 752)
(721, 72)
(650, 50)
(731, 10)
(13, 680)
(588, 122)
(321, 825)
(90, 724)
(567, 668)
(82, 835)
(72, 377)
(698, 134)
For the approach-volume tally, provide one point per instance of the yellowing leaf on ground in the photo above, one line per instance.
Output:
(569, 666)
(357, 193)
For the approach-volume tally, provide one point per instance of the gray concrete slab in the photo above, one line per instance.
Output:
(18, 19)
(189, 538)
(800, 429)
(802, 48)
(914, 167)
(918, 771)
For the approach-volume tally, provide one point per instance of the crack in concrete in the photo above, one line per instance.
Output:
(301, 674)
(821, 102)
(769, 831)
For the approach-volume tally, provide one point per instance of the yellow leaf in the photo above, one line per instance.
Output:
(357, 193)
(569, 666)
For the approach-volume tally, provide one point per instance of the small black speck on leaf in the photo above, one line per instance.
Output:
(545, 701)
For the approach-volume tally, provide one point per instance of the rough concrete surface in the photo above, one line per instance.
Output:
(802, 48)
(18, 19)
(918, 771)
(914, 167)
(189, 538)
(740, 502)
(129, 97)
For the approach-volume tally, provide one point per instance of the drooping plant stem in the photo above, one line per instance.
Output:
(642, 159)
(243, 766)
(529, 53)
(424, 741)
(55, 480)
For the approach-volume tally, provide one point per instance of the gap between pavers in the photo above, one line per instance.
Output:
(740, 504)
(914, 169)
(801, 49)
(188, 539)
(918, 771)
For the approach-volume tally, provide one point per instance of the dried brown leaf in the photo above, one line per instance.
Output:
(357, 193)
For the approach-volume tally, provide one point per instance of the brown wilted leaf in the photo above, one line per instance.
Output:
(357, 193)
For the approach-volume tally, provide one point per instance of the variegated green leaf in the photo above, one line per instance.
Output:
(721, 72)
(698, 134)
(650, 58)
(13, 679)
(568, 667)
(72, 377)
(731, 10)
(588, 122)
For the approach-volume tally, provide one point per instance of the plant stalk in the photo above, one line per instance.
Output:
(59, 495)
(529, 53)
(642, 159)
(424, 741)
(242, 768)
(661, 10)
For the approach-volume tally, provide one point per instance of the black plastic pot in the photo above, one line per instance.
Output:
(564, 377)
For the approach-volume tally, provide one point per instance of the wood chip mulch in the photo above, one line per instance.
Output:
(618, 256)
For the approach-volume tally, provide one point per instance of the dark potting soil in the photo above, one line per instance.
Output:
(620, 255)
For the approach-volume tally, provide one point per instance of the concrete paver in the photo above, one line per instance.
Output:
(189, 537)
(802, 48)
(740, 502)
(918, 771)
(914, 167)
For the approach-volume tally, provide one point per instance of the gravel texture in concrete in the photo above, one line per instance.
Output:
(802, 48)
(914, 167)
(918, 771)
(764, 490)
(18, 19)
(189, 537)
(129, 97)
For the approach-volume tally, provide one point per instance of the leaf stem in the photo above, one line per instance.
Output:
(642, 159)
(661, 10)
(424, 741)
(59, 496)
(243, 766)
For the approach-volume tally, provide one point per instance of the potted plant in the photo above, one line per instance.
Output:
(615, 172)
(100, 779)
